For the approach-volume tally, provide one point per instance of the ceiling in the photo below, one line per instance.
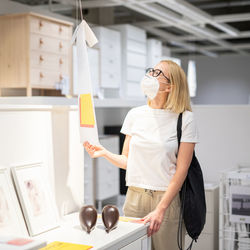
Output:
(192, 27)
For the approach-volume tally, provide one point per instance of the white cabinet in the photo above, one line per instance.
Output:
(127, 235)
(106, 175)
(134, 59)
(94, 62)
(208, 240)
(154, 52)
(88, 180)
(101, 178)
(110, 56)
(143, 243)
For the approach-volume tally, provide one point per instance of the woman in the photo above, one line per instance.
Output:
(154, 173)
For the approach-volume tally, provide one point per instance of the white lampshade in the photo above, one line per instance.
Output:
(191, 76)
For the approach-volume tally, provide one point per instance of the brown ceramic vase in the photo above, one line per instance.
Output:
(110, 217)
(88, 217)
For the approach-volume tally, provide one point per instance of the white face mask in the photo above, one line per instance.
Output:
(150, 86)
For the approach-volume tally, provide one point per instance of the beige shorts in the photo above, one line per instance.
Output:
(139, 202)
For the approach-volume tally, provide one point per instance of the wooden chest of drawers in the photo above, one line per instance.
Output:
(35, 51)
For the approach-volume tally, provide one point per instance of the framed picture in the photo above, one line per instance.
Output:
(11, 217)
(35, 196)
(239, 201)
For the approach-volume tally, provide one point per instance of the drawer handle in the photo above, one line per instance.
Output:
(60, 45)
(41, 58)
(40, 24)
(60, 61)
(60, 29)
(41, 75)
(41, 41)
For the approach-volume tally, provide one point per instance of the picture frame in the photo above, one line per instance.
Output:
(11, 218)
(239, 204)
(34, 192)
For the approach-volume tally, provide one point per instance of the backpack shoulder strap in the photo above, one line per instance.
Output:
(179, 132)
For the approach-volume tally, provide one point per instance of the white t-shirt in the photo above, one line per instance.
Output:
(153, 146)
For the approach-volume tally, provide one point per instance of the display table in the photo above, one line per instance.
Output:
(127, 235)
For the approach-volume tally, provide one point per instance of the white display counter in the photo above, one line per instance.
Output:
(127, 235)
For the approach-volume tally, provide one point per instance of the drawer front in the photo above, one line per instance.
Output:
(110, 36)
(108, 189)
(135, 74)
(106, 172)
(49, 28)
(107, 35)
(49, 44)
(136, 33)
(135, 245)
(112, 51)
(49, 61)
(110, 80)
(155, 47)
(136, 46)
(136, 60)
(44, 78)
(111, 66)
(94, 61)
(152, 61)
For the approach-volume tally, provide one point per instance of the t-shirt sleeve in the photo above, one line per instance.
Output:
(127, 124)
(189, 128)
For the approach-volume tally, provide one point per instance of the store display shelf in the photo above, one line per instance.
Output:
(99, 103)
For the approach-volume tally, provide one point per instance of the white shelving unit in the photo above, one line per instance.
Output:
(134, 58)
(154, 52)
(234, 235)
(109, 44)
(99, 103)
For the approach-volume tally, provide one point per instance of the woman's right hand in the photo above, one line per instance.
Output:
(93, 150)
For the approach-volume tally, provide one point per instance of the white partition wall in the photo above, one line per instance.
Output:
(50, 135)
(68, 159)
(224, 132)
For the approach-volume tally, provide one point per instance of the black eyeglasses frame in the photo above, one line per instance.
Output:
(149, 70)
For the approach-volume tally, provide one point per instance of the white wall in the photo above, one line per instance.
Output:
(222, 80)
(224, 133)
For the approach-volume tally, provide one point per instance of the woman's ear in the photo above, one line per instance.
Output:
(169, 88)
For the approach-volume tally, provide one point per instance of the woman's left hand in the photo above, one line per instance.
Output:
(155, 219)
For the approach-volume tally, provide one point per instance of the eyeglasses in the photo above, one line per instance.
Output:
(156, 72)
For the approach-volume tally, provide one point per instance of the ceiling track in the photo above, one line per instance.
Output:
(182, 15)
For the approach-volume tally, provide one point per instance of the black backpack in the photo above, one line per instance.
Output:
(192, 196)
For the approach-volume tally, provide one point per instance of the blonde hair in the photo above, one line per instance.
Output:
(178, 99)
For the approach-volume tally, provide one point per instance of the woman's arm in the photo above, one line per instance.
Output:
(185, 155)
(184, 159)
(117, 160)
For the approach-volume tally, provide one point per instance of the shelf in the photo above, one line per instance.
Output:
(46, 100)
